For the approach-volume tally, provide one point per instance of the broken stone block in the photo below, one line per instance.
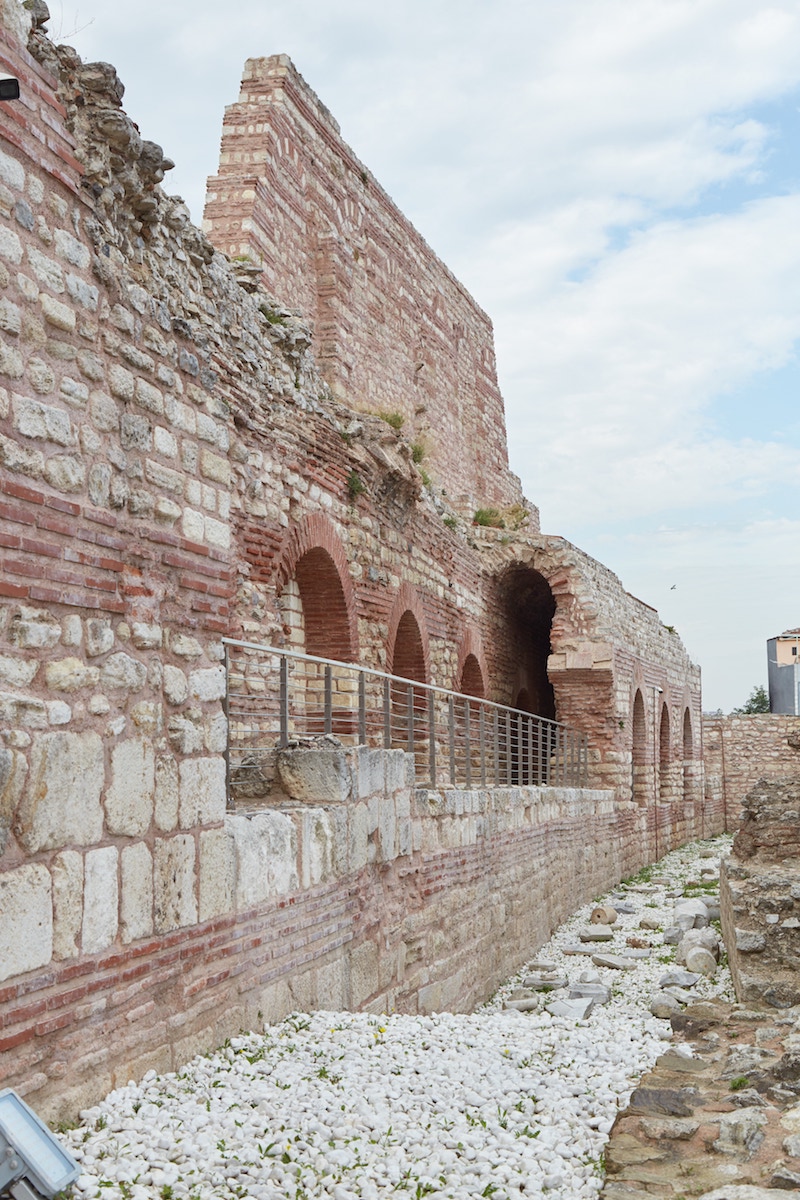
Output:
(614, 961)
(603, 914)
(577, 1010)
(314, 776)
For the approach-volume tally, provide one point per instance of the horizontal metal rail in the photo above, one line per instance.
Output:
(275, 696)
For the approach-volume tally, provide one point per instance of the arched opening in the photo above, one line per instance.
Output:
(408, 662)
(664, 788)
(529, 607)
(323, 611)
(688, 759)
(639, 751)
(472, 678)
(317, 620)
(408, 652)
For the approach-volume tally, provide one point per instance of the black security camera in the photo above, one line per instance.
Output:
(9, 87)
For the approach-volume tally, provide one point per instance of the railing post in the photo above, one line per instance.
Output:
(451, 737)
(432, 736)
(496, 748)
(467, 746)
(548, 758)
(482, 736)
(410, 741)
(508, 747)
(530, 751)
(284, 702)
(328, 714)
(362, 709)
(387, 715)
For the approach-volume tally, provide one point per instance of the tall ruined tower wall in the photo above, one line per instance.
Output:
(394, 330)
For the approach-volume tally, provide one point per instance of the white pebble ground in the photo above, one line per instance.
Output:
(339, 1106)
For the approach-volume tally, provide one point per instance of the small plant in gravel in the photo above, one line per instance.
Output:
(738, 1082)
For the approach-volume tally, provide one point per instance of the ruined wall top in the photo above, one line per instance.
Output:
(394, 331)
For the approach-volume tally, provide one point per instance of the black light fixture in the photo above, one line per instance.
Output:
(9, 87)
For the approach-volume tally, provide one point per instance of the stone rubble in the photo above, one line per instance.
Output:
(514, 1101)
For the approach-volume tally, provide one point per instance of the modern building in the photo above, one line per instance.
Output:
(783, 660)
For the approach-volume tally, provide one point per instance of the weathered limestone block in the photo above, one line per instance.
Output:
(176, 685)
(185, 646)
(13, 770)
(26, 930)
(217, 873)
(266, 857)
(67, 873)
(208, 684)
(61, 801)
(387, 829)
(202, 791)
(136, 892)
(130, 796)
(17, 672)
(315, 776)
(100, 899)
(316, 847)
(122, 673)
(359, 837)
(371, 768)
(364, 973)
(70, 675)
(99, 636)
(167, 793)
(34, 629)
(174, 877)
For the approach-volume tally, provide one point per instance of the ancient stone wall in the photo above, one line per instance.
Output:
(760, 896)
(174, 469)
(739, 751)
(395, 332)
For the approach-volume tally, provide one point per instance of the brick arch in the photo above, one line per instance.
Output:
(639, 764)
(664, 753)
(314, 559)
(471, 674)
(407, 643)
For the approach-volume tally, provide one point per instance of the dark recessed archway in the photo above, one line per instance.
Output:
(472, 678)
(529, 607)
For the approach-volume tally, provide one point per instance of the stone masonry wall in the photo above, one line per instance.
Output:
(760, 896)
(174, 469)
(739, 751)
(385, 898)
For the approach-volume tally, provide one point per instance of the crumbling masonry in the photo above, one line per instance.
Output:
(183, 421)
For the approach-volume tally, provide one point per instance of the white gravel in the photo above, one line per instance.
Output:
(344, 1105)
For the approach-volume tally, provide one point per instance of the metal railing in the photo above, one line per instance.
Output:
(276, 696)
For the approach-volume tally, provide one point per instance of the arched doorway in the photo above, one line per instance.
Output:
(319, 621)
(408, 661)
(639, 781)
(472, 678)
(528, 607)
(664, 781)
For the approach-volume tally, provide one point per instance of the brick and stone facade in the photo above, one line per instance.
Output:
(183, 459)
(739, 751)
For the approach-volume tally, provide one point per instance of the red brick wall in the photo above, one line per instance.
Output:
(394, 330)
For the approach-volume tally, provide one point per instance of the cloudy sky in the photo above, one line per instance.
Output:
(618, 184)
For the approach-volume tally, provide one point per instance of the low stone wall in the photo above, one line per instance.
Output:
(741, 750)
(760, 897)
(389, 898)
